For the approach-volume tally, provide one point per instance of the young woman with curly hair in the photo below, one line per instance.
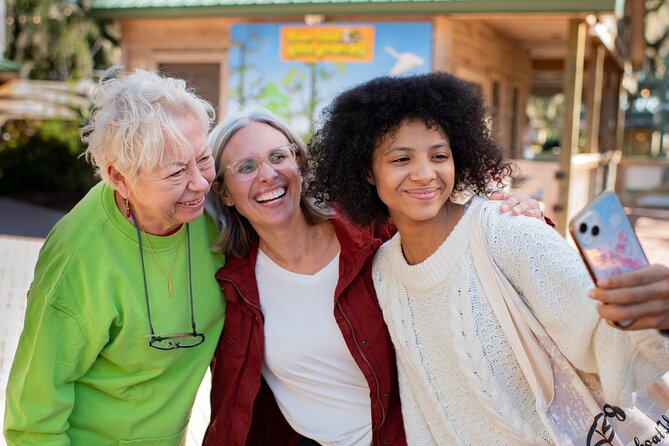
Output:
(305, 357)
(406, 148)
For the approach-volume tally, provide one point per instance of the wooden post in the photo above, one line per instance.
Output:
(620, 116)
(442, 41)
(573, 90)
(594, 101)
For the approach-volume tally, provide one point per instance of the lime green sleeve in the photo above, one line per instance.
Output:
(53, 352)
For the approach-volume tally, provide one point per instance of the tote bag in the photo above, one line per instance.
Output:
(569, 402)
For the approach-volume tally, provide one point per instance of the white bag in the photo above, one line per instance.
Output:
(568, 402)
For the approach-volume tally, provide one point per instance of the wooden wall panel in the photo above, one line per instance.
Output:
(475, 52)
(467, 48)
(175, 34)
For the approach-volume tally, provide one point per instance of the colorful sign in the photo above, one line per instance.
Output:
(295, 70)
(339, 44)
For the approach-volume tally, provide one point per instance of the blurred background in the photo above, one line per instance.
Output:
(577, 91)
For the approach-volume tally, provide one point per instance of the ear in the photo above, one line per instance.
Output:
(370, 178)
(222, 192)
(119, 181)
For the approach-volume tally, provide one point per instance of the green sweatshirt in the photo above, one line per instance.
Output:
(83, 372)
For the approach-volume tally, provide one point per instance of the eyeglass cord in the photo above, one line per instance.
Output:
(190, 281)
(146, 288)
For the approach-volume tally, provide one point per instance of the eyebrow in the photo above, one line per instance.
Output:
(268, 151)
(397, 149)
(204, 151)
(168, 167)
(412, 149)
(287, 143)
(198, 156)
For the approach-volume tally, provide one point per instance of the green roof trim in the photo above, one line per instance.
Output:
(128, 9)
(619, 8)
(7, 65)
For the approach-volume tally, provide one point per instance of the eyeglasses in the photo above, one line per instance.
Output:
(170, 341)
(247, 169)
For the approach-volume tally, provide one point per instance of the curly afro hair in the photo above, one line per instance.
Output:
(358, 119)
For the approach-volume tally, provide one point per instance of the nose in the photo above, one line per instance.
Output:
(423, 172)
(266, 171)
(198, 182)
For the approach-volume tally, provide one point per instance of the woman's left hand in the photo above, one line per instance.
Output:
(518, 203)
(641, 296)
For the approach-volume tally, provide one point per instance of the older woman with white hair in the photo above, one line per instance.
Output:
(124, 315)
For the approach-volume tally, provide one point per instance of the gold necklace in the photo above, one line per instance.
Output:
(162, 270)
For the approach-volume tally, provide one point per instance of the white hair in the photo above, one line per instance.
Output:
(134, 121)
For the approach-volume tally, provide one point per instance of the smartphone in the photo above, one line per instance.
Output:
(606, 239)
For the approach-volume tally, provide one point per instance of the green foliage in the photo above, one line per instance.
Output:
(546, 116)
(40, 162)
(248, 72)
(272, 98)
(52, 40)
(293, 81)
(56, 40)
(656, 35)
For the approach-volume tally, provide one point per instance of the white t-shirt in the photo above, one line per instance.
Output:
(317, 384)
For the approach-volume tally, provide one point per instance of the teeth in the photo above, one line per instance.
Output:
(276, 193)
(192, 202)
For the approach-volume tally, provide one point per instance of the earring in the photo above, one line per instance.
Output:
(127, 207)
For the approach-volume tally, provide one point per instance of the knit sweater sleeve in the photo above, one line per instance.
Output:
(551, 278)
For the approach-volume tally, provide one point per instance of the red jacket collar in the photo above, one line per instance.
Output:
(357, 245)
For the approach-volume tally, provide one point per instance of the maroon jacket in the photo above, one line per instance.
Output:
(243, 409)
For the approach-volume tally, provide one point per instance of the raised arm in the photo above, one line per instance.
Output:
(551, 278)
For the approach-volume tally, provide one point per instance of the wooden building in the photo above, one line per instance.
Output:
(585, 49)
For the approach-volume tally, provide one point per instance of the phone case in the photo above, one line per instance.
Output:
(606, 239)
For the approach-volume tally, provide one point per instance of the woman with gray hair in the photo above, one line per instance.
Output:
(123, 315)
(305, 357)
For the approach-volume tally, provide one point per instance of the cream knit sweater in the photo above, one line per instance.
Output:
(459, 380)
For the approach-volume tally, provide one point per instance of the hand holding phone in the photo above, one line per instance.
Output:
(606, 240)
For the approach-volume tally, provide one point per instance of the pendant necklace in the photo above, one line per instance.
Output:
(168, 277)
(162, 270)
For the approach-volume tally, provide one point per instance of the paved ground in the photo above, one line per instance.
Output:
(26, 220)
(22, 228)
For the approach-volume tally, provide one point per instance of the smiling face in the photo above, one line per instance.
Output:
(173, 194)
(413, 172)
(272, 198)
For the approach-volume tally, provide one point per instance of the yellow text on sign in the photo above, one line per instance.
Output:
(339, 44)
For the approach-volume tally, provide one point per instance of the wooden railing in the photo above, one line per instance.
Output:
(590, 173)
(643, 183)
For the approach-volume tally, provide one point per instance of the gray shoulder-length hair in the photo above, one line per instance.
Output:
(236, 233)
(134, 122)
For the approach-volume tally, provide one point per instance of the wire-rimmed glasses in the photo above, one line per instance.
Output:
(171, 341)
(247, 169)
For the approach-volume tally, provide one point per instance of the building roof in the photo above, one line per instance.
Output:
(120, 9)
(34, 99)
(7, 65)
